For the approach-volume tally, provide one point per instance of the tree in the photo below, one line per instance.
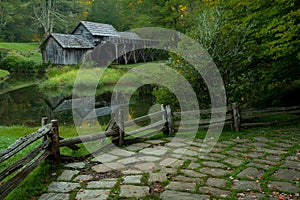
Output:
(49, 14)
(105, 11)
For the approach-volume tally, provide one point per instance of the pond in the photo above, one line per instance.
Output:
(27, 105)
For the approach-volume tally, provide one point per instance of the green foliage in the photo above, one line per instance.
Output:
(16, 63)
(3, 75)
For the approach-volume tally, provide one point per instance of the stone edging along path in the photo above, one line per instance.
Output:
(256, 168)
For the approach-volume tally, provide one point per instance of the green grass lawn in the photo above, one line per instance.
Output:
(24, 49)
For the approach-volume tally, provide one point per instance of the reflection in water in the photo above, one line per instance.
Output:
(24, 106)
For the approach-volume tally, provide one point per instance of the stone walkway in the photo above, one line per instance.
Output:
(256, 168)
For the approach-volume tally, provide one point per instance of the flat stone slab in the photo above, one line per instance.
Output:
(283, 187)
(287, 174)
(160, 177)
(188, 179)
(115, 165)
(156, 141)
(76, 165)
(134, 179)
(63, 187)
(83, 178)
(172, 162)
(175, 195)
(182, 186)
(146, 166)
(292, 164)
(245, 185)
(129, 160)
(213, 164)
(101, 168)
(176, 144)
(186, 152)
(233, 161)
(134, 191)
(258, 165)
(92, 195)
(158, 151)
(271, 151)
(193, 165)
(54, 196)
(215, 191)
(214, 171)
(67, 175)
(101, 184)
(105, 158)
(251, 173)
(122, 153)
(149, 158)
(192, 173)
(132, 171)
(216, 182)
(251, 196)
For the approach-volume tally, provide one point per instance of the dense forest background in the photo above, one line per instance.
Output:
(254, 43)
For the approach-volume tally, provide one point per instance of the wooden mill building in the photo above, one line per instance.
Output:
(68, 49)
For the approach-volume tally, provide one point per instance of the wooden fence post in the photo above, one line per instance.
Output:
(44, 123)
(236, 117)
(170, 119)
(162, 108)
(54, 135)
(121, 127)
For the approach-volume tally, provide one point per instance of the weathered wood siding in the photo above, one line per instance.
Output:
(81, 30)
(73, 56)
(55, 54)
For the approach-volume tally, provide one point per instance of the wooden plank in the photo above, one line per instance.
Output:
(22, 162)
(143, 118)
(202, 121)
(247, 117)
(274, 109)
(22, 143)
(203, 127)
(87, 138)
(8, 186)
(154, 132)
(250, 125)
(154, 125)
(206, 111)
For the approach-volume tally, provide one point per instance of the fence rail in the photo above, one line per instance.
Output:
(164, 121)
(29, 162)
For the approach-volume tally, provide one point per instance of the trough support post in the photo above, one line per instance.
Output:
(121, 127)
(170, 119)
(236, 117)
(54, 135)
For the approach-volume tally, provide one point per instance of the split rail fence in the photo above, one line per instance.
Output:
(164, 121)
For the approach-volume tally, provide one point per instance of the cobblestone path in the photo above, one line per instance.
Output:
(260, 167)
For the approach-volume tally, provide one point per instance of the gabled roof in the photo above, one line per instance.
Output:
(68, 41)
(129, 35)
(99, 29)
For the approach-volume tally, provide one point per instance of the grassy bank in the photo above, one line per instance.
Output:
(29, 50)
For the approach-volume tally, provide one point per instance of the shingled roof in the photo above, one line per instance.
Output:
(129, 35)
(99, 29)
(72, 41)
